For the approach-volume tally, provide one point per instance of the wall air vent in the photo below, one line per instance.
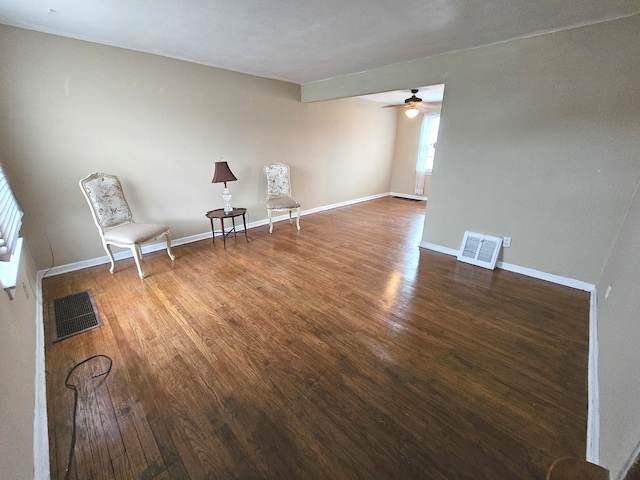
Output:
(479, 249)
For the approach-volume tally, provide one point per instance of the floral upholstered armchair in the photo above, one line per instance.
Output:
(114, 220)
(279, 197)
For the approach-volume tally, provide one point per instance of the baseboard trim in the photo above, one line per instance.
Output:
(593, 414)
(342, 204)
(549, 277)
(529, 272)
(147, 248)
(408, 195)
(439, 248)
(593, 410)
(154, 247)
(41, 467)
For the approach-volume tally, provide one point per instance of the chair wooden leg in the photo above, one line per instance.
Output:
(135, 249)
(270, 221)
(171, 256)
(290, 220)
(107, 247)
(298, 219)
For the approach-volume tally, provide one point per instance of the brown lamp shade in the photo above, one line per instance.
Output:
(222, 174)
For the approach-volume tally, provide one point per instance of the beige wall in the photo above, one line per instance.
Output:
(17, 373)
(538, 137)
(618, 335)
(68, 108)
(541, 140)
(403, 174)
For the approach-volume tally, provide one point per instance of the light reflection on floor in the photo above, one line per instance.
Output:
(399, 288)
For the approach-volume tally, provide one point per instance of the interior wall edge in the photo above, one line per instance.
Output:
(40, 421)
(593, 414)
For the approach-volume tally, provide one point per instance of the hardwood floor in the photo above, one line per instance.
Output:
(340, 351)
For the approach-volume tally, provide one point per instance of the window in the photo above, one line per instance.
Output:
(426, 150)
(428, 140)
(10, 243)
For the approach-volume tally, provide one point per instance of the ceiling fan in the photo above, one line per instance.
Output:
(415, 105)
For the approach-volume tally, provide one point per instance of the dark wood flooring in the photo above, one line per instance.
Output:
(342, 351)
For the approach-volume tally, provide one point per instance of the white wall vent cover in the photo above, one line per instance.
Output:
(480, 249)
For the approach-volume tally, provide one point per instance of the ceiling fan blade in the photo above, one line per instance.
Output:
(430, 104)
(417, 105)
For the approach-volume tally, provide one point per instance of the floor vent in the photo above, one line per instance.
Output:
(73, 314)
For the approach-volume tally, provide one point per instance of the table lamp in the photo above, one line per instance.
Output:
(222, 174)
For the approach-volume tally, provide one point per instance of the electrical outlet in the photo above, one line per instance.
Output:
(506, 242)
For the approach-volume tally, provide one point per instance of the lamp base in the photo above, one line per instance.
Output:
(226, 198)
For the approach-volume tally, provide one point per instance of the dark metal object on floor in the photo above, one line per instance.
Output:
(73, 314)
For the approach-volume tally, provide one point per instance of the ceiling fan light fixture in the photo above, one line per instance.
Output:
(411, 112)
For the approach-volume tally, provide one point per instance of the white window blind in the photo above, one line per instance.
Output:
(10, 219)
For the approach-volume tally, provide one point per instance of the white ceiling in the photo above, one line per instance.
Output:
(428, 94)
(303, 41)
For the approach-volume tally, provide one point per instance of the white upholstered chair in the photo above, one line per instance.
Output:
(279, 197)
(114, 220)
